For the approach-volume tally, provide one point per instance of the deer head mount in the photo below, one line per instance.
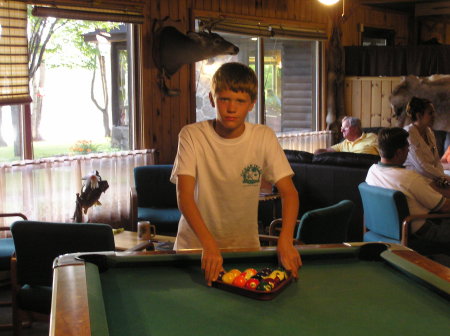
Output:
(172, 49)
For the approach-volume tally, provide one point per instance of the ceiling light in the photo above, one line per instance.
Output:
(329, 2)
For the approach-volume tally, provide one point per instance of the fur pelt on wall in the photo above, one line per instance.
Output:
(435, 88)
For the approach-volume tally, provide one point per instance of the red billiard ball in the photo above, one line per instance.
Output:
(239, 281)
(252, 283)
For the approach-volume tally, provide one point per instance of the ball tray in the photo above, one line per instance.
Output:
(253, 293)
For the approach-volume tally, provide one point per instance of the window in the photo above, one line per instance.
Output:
(377, 37)
(288, 84)
(80, 90)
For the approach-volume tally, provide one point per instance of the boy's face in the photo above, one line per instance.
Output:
(231, 110)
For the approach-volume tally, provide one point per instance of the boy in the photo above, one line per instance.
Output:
(218, 171)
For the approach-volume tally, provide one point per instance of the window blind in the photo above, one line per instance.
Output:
(114, 10)
(14, 80)
(263, 29)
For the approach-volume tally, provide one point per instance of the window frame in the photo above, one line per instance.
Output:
(285, 30)
(25, 119)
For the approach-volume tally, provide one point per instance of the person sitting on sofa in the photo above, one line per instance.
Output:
(423, 155)
(421, 195)
(355, 140)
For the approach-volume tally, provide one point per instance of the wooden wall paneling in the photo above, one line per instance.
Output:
(386, 111)
(348, 101)
(150, 90)
(229, 6)
(298, 8)
(375, 99)
(258, 8)
(356, 99)
(251, 6)
(266, 10)
(198, 4)
(245, 10)
(366, 102)
(282, 9)
(367, 98)
(164, 117)
(306, 12)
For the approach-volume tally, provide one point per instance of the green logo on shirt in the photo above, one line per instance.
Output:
(251, 174)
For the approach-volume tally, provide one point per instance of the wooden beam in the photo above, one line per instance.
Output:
(432, 8)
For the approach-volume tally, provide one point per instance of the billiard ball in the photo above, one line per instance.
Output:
(239, 281)
(252, 283)
(266, 271)
(278, 274)
(228, 277)
(264, 286)
(236, 271)
(220, 275)
(250, 272)
(257, 277)
(271, 282)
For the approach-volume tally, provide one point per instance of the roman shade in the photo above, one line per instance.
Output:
(130, 11)
(262, 28)
(14, 82)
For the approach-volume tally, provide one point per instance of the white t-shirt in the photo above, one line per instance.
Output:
(421, 197)
(228, 175)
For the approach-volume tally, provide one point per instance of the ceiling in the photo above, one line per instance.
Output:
(415, 7)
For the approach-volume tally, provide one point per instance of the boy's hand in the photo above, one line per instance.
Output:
(289, 257)
(212, 264)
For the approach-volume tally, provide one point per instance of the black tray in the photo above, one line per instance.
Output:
(253, 293)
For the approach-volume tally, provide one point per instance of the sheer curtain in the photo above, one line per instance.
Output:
(305, 141)
(46, 189)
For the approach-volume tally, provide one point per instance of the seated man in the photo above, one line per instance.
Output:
(355, 140)
(422, 197)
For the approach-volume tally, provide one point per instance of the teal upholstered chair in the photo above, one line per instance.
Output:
(7, 245)
(37, 244)
(6, 252)
(326, 225)
(154, 199)
(384, 212)
(387, 219)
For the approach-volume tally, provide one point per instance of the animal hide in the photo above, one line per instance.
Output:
(435, 88)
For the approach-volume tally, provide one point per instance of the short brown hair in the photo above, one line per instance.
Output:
(390, 140)
(236, 77)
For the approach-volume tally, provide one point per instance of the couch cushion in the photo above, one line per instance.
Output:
(346, 159)
(296, 156)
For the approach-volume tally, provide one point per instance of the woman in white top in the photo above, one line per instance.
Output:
(423, 155)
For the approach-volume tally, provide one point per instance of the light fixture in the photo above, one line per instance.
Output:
(333, 2)
(329, 2)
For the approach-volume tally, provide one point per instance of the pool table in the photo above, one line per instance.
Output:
(344, 289)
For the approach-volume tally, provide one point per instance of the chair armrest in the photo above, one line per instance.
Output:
(14, 214)
(406, 226)
(133, 209)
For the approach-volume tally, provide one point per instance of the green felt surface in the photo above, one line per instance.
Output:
(339, 296)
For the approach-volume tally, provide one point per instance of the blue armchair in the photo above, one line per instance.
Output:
(326, 225)
(387, 219)
(154, 199)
